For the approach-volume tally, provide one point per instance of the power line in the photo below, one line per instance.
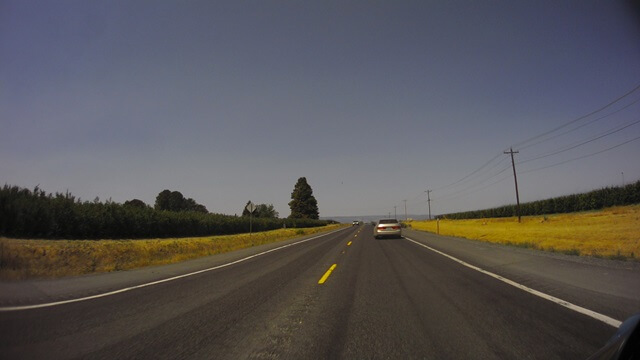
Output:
(520, 144)
(581, 157)
(449, 196)
(505, 168)
(573, 146)
(452, 196)
(476, 190)
(579, 126)
(477, 181)
(491, 164)
(470, 174)
(483, 169)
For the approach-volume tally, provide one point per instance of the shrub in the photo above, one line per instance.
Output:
(35, 214)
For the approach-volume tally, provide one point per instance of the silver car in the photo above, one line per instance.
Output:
(387, 227)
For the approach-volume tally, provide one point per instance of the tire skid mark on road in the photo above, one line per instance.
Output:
(595, 315)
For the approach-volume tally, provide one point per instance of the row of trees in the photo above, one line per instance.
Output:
(593, 200)
(170, 201)
(28, 213)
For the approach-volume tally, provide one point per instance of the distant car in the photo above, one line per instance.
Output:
(355, 223)
(388, 228)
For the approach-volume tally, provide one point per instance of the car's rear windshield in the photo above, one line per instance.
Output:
(388, 221)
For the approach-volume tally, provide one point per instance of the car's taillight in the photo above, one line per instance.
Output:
(382, 227)
(396, 227)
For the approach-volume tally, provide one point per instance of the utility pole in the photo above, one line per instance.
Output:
(622, 179)
(515, 178)
(389, 215)
(395, 212)
(405, 210)
(429, 202)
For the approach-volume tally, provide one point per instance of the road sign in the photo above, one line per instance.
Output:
(251, 207)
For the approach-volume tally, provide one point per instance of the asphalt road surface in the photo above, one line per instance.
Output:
(385, 299)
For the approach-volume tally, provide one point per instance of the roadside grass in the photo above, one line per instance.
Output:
(21, 259)
(612, 233)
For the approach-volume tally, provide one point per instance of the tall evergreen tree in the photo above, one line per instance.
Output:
(303, 204)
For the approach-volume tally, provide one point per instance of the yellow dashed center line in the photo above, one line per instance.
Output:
(326, 275)
(349, 243)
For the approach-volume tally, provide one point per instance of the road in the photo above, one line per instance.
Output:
(385, 299)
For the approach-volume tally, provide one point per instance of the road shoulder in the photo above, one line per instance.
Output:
(610, 287)
(36, 291)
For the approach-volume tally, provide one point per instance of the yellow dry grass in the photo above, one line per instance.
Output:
(612, 232)
(21, 259)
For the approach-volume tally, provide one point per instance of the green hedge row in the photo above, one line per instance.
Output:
(593, 200)
(35, 214)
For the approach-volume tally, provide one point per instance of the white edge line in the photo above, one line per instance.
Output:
(37, 306)
(605, 319)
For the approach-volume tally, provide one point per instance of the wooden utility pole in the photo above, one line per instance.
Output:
(429, 202)
(405, 210)
(515, 178)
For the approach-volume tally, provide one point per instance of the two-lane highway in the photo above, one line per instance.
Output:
(383, 299)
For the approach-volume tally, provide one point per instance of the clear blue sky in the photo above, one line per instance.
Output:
(372, 101)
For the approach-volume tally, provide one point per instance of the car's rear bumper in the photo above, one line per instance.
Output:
(388, 233)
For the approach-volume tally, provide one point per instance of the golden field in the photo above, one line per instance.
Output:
(21, 259)
(612, 233)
